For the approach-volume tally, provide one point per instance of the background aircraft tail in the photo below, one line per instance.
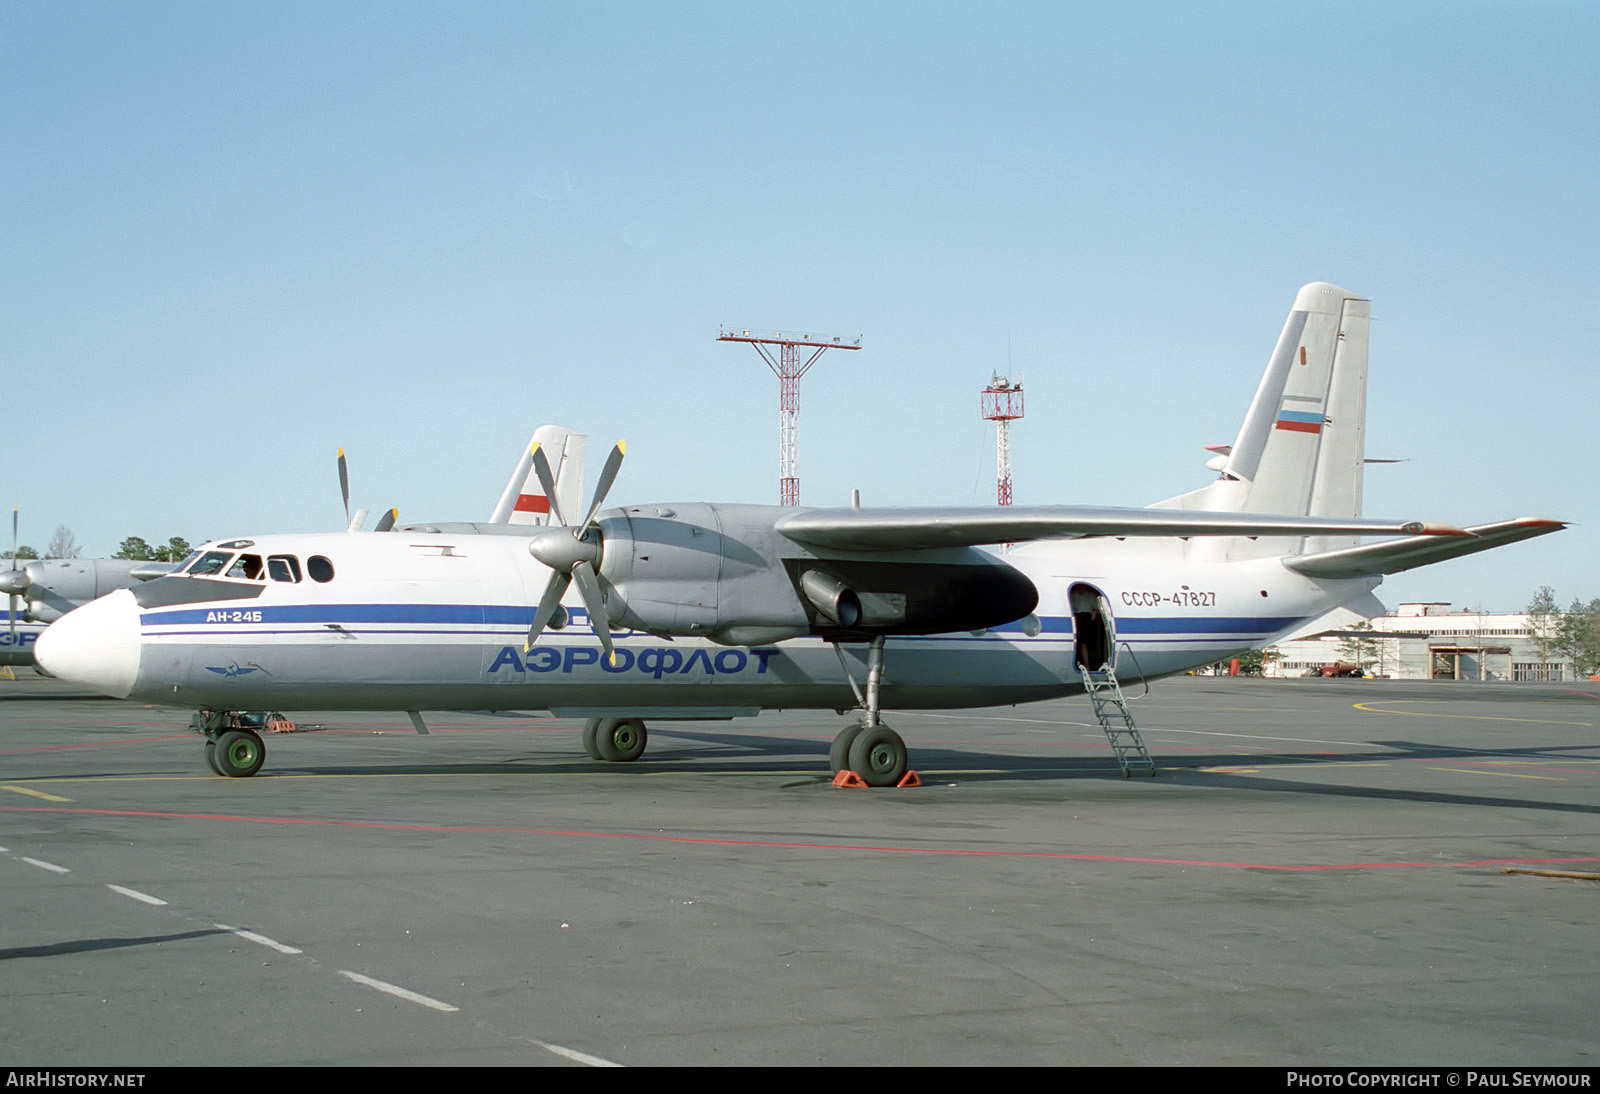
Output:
(523, 500)
(1301, 449)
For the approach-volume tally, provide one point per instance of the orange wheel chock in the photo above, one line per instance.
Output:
(849, 780)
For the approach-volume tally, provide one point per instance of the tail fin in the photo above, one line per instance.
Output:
(524, 500)
(1301, 448)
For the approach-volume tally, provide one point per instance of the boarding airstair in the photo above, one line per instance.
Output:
(1111, 709)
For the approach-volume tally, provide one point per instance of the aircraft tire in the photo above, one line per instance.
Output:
(878, 755)
(211, 757)
(591, 729)
(621, 740)
(239, 753)
(839, 751)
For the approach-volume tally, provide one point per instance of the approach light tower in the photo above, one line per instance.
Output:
(1002, 405)
(788, 369)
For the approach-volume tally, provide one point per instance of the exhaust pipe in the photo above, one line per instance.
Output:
(832, 597)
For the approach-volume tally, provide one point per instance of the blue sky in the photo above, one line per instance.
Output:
(238, 236)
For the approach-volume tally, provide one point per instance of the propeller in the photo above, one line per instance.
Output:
(573, 552)
(15, 581)
(344, 484)
(353, 522)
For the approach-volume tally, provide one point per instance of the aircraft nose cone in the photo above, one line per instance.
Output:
(95, 646)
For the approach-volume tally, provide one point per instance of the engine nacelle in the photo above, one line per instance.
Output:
(37, 611)
(724, 573)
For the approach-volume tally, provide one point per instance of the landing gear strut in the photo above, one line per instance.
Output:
(876, 753)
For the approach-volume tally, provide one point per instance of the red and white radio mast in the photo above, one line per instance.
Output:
(1002, 405)
(788, 369)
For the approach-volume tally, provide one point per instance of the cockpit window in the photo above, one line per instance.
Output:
(184, 565)
(248, 566)
(319, 568)
(211, 562)
(283, 568)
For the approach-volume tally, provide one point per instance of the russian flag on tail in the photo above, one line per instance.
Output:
(1299, 421)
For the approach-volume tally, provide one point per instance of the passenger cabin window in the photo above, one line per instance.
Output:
(319, 568)
(283, 568)
(248, 566)
(211, 562)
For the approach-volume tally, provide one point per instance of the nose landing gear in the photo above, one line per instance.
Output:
(234, 748)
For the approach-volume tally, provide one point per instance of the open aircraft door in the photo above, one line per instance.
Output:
(1094, 628)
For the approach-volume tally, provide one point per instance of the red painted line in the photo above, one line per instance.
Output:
(532, 503)
(94, 744)
(1585, 694)
(369, 728)
(773, 844)
(1300, 427)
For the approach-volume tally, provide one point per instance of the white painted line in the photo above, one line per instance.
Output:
(573, 1054)
(136, 894)
(259, 939)
(397, 992)
(46, 865)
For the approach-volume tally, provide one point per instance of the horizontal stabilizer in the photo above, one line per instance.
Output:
(927, 529)
(1398, 555)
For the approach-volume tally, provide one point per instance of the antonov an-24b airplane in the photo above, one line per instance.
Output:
(699, 611)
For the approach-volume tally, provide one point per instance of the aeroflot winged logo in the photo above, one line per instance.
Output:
(233, 670)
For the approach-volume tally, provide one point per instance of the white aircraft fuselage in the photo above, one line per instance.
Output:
(427, 622)
(716, 611)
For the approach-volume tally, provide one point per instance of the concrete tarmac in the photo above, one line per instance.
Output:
(1315, 877)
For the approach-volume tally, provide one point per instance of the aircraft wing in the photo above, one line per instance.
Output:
(1398, 555)
(925, 529)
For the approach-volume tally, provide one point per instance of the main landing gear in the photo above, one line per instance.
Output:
(870, 750)
(615, 740)
(233, 742)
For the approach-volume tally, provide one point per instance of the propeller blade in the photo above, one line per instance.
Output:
(608, 475)
(386, 521)
(12, 615)
(344, 484)
(541, 468)
(589, 586)
(549, 604)
(358, 520)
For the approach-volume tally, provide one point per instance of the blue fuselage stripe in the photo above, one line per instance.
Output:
(507, 615)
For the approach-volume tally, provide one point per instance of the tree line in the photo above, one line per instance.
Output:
(63, 544)
(134, 547)
(1573, 634)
